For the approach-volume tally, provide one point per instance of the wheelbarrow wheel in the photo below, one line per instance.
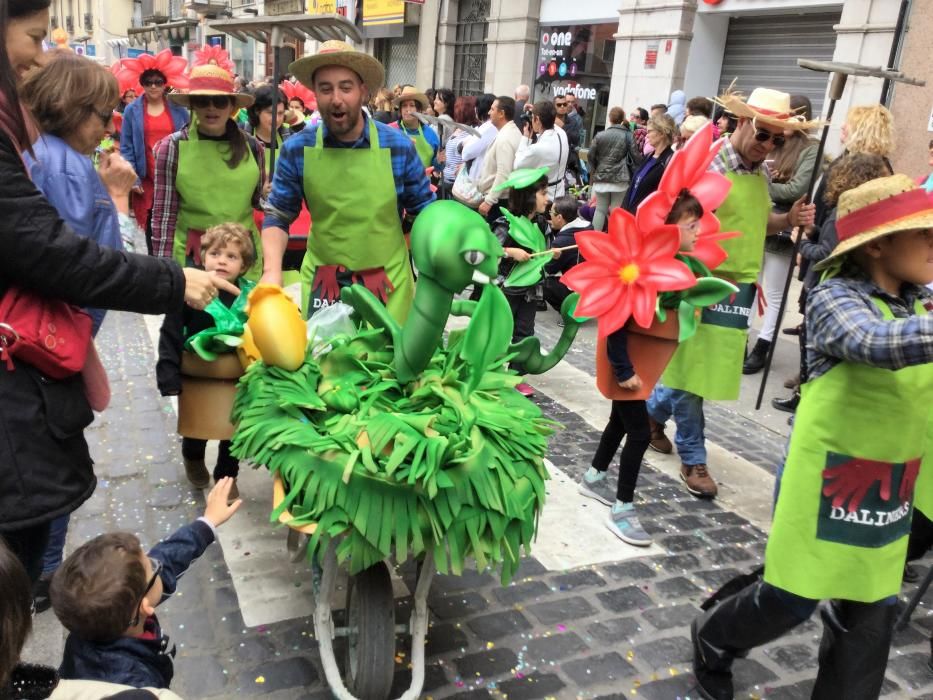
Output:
(371, 640)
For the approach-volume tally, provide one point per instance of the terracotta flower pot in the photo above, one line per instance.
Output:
(649, 349)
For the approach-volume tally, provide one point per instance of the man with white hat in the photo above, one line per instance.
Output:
(709, 365)
(357, 176)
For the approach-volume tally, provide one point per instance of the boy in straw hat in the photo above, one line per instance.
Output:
(426, 141)
(847, 487)
(357, 176)
(709, 365)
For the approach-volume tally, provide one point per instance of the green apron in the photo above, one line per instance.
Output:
(211, 193)
(923, 494)
(830, 538)
(710, 363)
(425, 149)
(352, 199)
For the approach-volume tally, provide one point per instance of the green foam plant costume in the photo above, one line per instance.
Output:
(398, 442)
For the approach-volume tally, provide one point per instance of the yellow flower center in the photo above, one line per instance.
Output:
(629, 273)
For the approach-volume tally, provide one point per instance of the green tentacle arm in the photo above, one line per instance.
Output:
(528, 353)
(423, 329)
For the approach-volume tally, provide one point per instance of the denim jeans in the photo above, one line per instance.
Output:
(687, 411)
(55, 549)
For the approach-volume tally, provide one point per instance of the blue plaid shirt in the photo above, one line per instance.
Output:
(843, 323)
(412, 187)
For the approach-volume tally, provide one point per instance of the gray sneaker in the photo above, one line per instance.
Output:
(597, 490)
(625, 525)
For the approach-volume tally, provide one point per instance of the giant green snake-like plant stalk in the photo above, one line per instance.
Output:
(402, 444)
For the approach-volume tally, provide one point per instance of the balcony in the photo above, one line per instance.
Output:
(155, 11)
(209, 8)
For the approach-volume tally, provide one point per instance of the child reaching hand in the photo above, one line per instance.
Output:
(106, 593)
(206, 388)
(630, 417)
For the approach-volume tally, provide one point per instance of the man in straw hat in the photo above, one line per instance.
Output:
(426, 141)
(357, 176)
(846, 490)
(709, 365)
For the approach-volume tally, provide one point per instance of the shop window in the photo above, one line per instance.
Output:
(470, 47)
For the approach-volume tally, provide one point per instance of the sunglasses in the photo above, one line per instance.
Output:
(560, 104)
(104, 115)
(153, 82)
(205, 101)
(763, 136)
(156, 570)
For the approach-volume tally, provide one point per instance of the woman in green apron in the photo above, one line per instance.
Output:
(426, 141)
(208, 173)
(847, 488)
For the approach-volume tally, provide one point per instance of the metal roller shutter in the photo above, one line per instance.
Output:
(401, 58)
(762, 51)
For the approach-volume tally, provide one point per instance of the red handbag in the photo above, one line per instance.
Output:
(48, 334)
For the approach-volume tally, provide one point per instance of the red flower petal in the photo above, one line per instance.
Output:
(624, 234)
(598, 247)
(711, 189)
(669, 276)
(662, 243)
(653, 211)
(643, 305)
(617, 317)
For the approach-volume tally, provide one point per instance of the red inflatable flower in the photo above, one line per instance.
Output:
(125, 79)
(688, 169)
(297, 90)
(624, 271)
(172, 67)
(214, 55)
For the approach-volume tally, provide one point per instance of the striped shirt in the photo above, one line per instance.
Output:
(412, 187)
(165, 198)
(729, 160)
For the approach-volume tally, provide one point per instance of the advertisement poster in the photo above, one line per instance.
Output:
(380, 12)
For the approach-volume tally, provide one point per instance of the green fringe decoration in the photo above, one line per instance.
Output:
(450, 463)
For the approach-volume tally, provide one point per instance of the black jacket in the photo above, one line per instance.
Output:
(563, 238)
(177, 327)
(141, 662)
(609, 154)
(45, 468)
(649, 181)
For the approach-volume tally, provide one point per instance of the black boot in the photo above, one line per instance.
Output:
(754, 616)
(755, 362)
(854, 650)
(788, 405)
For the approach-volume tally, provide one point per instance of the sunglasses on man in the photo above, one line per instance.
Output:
(205, 101)
(763, 136)
(156, 570)
(153, 82)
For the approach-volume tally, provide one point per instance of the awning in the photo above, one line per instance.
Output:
(275, 30)
(141, 36)
(121, 42)
(180, 30)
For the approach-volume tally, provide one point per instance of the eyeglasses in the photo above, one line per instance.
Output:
(763, 136)
(692, 227)
(205, 101)
(156, 570)
(153, 82)
(105, 115)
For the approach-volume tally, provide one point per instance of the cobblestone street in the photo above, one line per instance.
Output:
(608, 630)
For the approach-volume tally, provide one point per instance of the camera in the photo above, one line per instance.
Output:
(525, 118)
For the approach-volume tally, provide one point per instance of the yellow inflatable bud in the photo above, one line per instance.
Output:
(276, 327)
(247, 352)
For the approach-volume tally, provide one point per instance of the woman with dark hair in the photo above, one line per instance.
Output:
(208, 173)
(725, 121)
(791, 167)
(662, 133)
(126, 99)
(443, 102)
(528, 198)
(45, 467)
(148, 120)
(464, 113)
(259, 117)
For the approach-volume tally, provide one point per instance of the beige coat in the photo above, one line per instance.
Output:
(499, 162)
(94, 690)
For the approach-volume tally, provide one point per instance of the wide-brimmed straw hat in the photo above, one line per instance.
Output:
(209, 80)
(764, 106)
(410, 93)
(340, 53)
(878, 208)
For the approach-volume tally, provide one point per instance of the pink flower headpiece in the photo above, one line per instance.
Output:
(125, 79)
(688, 169)
(172, 67)
(214, 55)
(293, 90)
